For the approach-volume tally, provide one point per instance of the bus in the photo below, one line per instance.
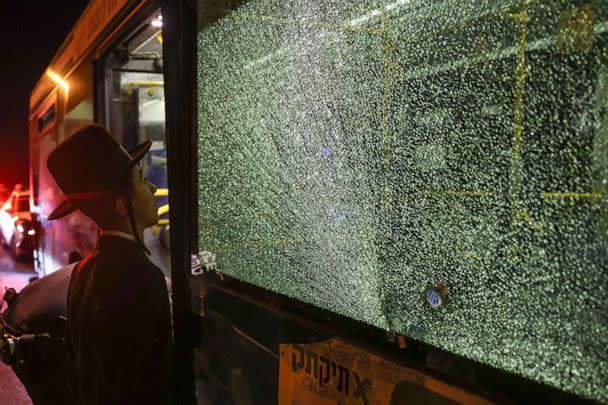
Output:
(370, 202)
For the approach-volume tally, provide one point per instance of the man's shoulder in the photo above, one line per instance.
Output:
(134, 284)
(150, 272)
(121, 251)
(128, 266)
(140, 267)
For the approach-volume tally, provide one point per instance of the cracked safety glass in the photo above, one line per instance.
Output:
(438, 169)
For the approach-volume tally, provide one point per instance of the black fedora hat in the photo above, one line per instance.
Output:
(89, 164)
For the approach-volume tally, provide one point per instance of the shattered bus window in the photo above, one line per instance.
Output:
(438, 169)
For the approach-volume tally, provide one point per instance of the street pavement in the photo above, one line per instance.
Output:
(16, 275)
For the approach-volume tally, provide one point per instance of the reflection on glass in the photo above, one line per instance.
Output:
(354, 157)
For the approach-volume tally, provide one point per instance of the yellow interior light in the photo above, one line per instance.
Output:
(57, 79)
(162, 192)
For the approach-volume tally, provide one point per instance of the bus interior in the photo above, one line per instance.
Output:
(134, 104)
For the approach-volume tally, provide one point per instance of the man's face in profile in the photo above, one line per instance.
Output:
(144, 201)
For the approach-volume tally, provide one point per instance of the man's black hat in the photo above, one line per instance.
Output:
(90, 164)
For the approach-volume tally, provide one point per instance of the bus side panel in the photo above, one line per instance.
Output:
(248, 353)
(66, 239)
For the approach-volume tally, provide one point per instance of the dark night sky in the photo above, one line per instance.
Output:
(31, 32)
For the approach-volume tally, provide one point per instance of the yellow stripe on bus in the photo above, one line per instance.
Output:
(163, 209)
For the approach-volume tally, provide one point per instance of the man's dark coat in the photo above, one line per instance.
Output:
(120, 326)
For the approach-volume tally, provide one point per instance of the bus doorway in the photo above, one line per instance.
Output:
(131, 104)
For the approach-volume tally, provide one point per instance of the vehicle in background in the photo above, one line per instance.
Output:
(4, 193)
(16, 230)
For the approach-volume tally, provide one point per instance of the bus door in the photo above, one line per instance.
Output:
(131, 104)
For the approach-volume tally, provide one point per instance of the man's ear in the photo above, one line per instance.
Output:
(120, 205)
